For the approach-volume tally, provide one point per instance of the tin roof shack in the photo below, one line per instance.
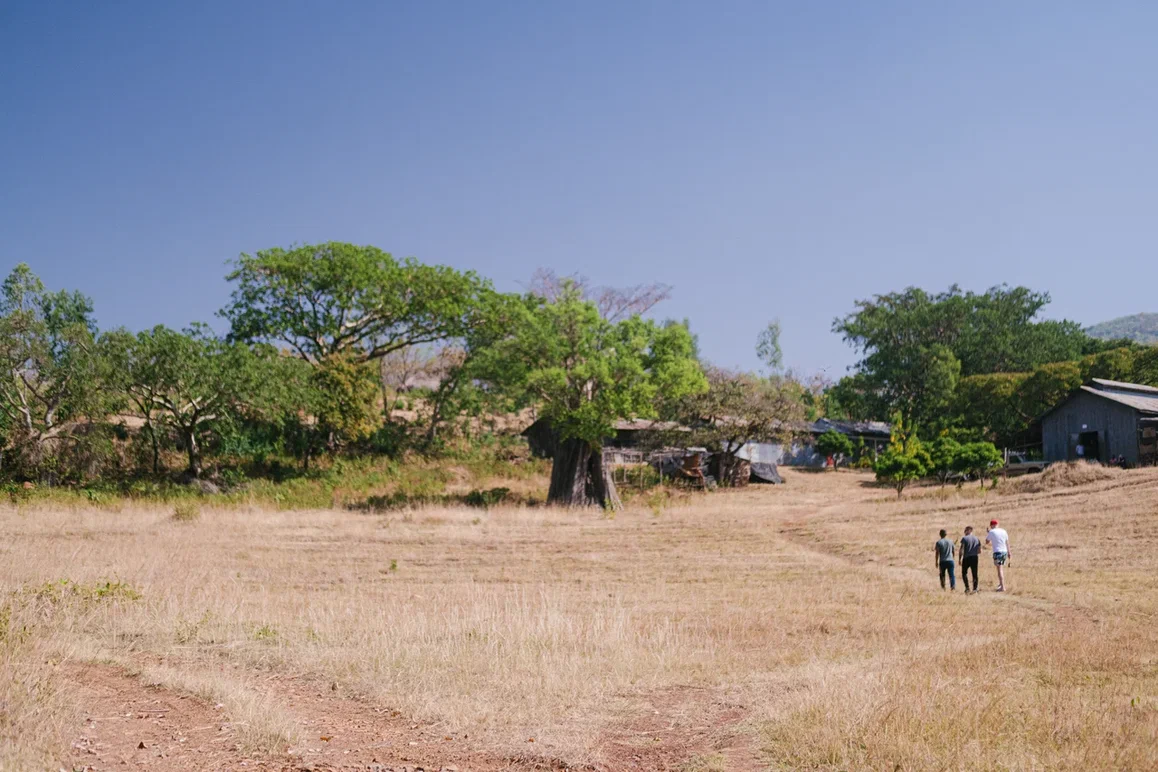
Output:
(1103, 420)
(800, 452)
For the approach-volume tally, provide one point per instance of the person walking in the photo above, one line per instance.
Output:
(998, 539)
(943, 555)
(970, 554)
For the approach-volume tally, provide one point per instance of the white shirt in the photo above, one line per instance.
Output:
(999, 539)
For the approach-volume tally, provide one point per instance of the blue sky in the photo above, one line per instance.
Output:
(770, 160)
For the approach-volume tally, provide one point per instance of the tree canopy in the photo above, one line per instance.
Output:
(917, 347)
(335, 298)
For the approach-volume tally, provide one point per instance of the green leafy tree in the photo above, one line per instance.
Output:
(356, 301)
(584, 373)
(855, 397)
(834, 445)
(467, 383)
(1116, 364)
(978, 458)
(900, 466)
(1047, 386)
(49, 370)
(943, 453)
(993, 405)
(906, 459)
(1146, 367)
(317, 408)
(915, 345)
(190, 382)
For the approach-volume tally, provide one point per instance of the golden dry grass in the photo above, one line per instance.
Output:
(811, 610)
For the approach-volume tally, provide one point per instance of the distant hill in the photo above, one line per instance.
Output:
(1139, 327)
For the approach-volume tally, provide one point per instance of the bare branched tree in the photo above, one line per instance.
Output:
(401, 370)
(614, 303)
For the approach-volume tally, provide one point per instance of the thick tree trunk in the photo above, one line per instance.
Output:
(579, 479)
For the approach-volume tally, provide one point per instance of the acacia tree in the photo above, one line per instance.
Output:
(584, 373)
(49, 373)
(190, 381)
(737, 408)
(340, 299)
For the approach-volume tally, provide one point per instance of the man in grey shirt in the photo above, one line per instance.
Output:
(943, 555)
(970, 553)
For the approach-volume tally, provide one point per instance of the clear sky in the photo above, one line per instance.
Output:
(767, 159)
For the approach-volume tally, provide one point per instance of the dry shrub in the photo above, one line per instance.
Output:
(1069, 474)
(186, 511)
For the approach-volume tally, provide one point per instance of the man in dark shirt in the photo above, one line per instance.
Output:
(970, 552)
(943, 555)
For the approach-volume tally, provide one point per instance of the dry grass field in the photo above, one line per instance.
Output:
(800, 626)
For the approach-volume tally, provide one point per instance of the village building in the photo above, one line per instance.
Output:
(1104, 421)
(873, 435)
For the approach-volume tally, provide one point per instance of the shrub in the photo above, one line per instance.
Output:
(944, 454)
(834, 444)
(978, 458)
(186, 511)
(488, 498)
(903, 463)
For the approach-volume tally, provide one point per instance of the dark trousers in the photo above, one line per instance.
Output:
(969, 563)
(947, 568)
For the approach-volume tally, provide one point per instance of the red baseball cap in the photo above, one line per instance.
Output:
(993, 522)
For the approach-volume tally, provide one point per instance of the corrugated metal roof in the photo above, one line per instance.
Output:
(643, 425)
(1141, 401)
(854, 427)
(1122, 386)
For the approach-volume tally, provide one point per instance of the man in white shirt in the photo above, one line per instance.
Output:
(999, 540)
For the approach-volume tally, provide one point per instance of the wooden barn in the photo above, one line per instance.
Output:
(1104, 420)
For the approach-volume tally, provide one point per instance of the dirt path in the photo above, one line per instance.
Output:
(126, 723)
(685, 728)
